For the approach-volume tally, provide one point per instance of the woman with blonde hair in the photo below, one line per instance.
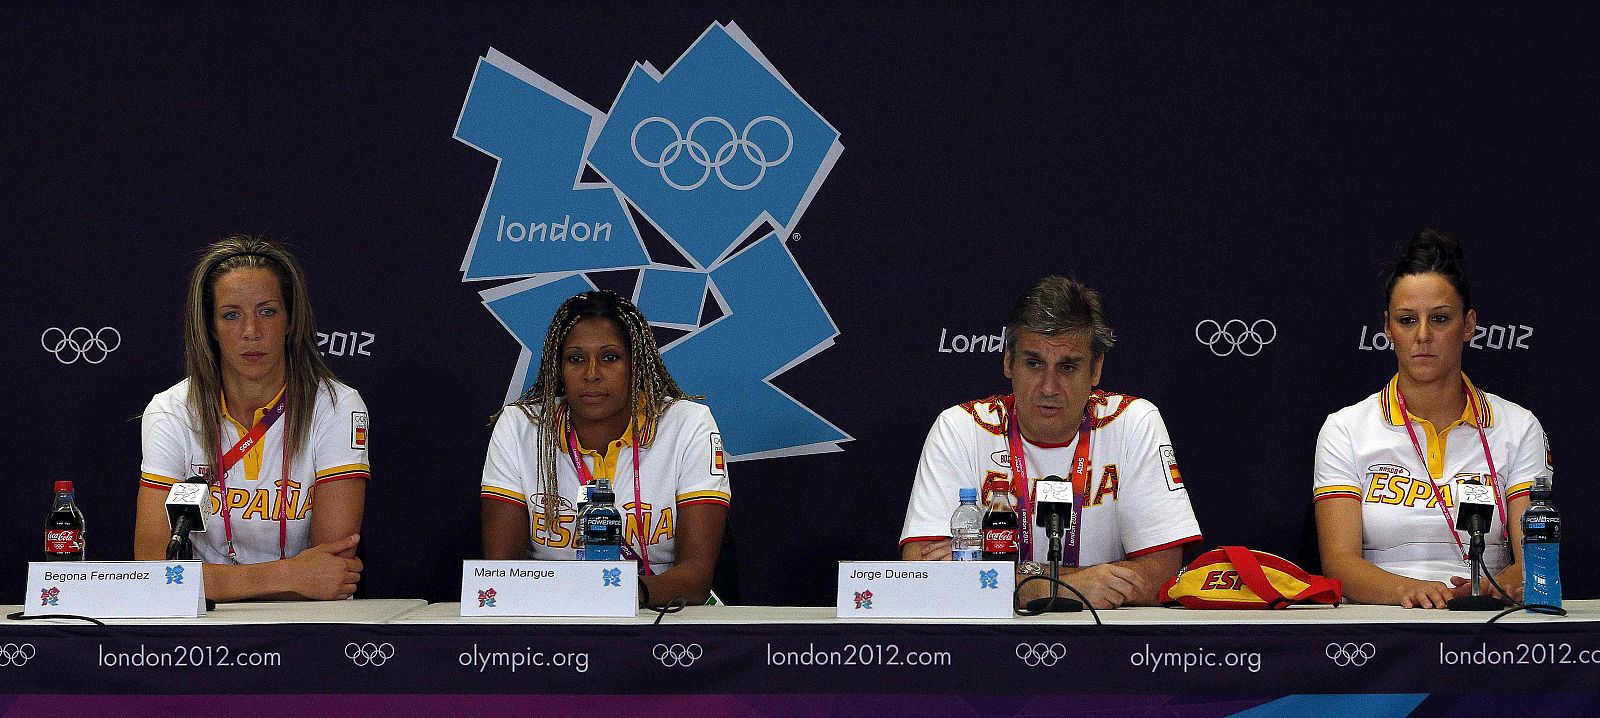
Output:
(262, 420)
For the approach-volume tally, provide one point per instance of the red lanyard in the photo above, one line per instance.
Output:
(232, 456)
(1070, 549)
(1477, 422)
(584, 477)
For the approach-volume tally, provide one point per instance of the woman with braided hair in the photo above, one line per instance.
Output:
(263, 421)
(604, 407)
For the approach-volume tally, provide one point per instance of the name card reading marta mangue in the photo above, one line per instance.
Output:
(115, 589)
(550, 588)
(925, 589)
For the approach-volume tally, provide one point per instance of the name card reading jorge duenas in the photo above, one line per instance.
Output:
(925, 589)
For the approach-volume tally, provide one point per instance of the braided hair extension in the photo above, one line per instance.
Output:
(651, 388)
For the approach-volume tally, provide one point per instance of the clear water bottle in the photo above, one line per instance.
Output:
(63, 530)
(577, 523)
(602, 525)
(1541, 548)
(966, 529)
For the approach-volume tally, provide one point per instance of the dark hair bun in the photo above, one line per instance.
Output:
(1431, 251)
(1433, 248)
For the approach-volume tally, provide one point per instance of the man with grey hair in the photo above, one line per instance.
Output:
(1131, 510)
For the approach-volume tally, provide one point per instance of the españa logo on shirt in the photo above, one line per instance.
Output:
(561, 533)
(721, 157)
(1393, 485)
(262, 503)
(1104, 490)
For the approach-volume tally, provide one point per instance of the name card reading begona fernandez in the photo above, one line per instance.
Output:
(116, 589)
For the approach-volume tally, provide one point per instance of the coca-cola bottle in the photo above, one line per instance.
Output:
(1000, 524)
(63, 532)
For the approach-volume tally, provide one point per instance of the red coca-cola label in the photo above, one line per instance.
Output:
(1000, 540)
(63, 540)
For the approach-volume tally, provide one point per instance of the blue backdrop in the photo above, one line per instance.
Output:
(827, 212)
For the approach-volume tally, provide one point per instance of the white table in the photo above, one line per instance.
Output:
(1588, 611)
(371, 610)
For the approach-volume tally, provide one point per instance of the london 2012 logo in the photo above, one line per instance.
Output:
(721, 156)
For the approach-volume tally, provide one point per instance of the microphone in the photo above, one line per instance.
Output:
(1053, 505)
(1474, 511)
(187, 506)
(1474, 507)
(1053, 499)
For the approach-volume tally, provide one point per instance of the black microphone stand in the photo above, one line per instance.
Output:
(1477, 601)
(180, 548)
(1054, 602)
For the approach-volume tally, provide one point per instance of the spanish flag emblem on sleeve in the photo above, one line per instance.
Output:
(719, 466)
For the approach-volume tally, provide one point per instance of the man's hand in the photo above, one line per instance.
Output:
(1108, 585)
(926, 551)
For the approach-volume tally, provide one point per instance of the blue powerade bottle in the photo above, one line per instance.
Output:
(602, 525)
(1541, 548)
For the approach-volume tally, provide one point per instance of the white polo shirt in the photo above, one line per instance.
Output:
(1364, 453)
(335, 450)
(683, 465)
(1135, 501)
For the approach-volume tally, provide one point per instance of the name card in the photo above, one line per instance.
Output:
(926, 589)
(116, 589)
(550, 588)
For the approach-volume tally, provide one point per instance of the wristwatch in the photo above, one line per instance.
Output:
(1032, 568)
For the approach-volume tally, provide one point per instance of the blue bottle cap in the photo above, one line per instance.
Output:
(969, 494)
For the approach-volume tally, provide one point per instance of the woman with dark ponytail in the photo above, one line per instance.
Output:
(1389, 468)
(264, 422)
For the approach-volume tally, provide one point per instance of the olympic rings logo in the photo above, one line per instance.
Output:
(686, 144)
(80, 343)
(16, 654)
(1039, 654)
(369, 654)
(677, 655)
(1234, 335)
(1350, 654)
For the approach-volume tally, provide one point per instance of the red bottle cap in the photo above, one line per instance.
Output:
(63, 486)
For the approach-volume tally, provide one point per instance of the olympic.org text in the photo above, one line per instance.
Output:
(1521, 654)
(1197, 658)
(483, 660)
(862, 654)
(188, 657)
